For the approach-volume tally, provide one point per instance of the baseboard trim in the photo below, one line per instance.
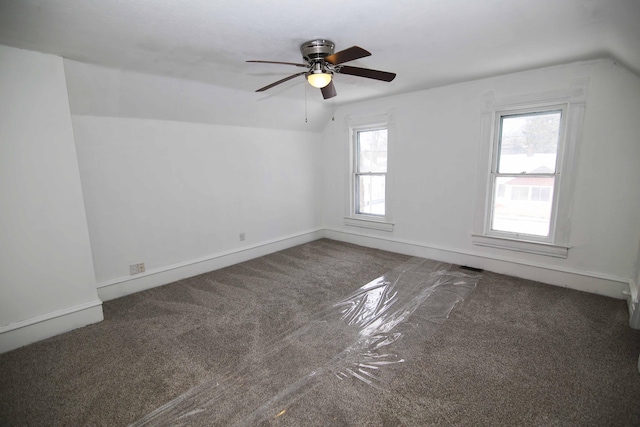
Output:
(19, 334)
(122, 286)
(593, 282)
(633, 301)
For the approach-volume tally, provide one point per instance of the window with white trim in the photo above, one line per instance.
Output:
(370, 145)
(527, 171)
(370, 171)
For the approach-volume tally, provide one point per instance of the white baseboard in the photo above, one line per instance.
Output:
(598, 283)
(130, 284)
(633, 301)
(19, 334)
(603, 284)
(634, 297)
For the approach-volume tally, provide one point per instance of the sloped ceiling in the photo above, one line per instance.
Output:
(427, 43)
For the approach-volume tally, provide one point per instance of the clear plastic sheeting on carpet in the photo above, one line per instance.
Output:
(359, 338)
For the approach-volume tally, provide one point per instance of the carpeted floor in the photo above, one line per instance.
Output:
(514, 352)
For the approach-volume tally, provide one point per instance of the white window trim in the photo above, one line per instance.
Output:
(557, 245)
(351, 218)
(557, 175)
(532, 247)
(368, 223)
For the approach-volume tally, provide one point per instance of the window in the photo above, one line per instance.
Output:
(524, 173)
(527, 170)
(370, 171)
(369, 153)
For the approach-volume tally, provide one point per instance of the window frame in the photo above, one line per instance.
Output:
(352, 216)
(357, 173)
(573, 101)
(494, 174)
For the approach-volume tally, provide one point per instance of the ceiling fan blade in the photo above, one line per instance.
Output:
(350, 54)
(329, 91)
(366, 72)
(277, 62)
(262, 89)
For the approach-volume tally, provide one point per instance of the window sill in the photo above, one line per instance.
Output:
(368, 223)
(537, 248)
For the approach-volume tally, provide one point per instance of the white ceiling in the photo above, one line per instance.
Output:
(427, 43)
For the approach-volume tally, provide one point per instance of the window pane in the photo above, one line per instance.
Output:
(372, 151)
(524, 207)
(370, 194)
(529, 143)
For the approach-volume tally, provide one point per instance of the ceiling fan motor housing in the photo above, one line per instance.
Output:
(316, 50)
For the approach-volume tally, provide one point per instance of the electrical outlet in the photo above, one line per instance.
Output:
(136, 268)
(242, 236)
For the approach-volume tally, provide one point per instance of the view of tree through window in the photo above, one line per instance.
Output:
(371, 172)
(525, 173)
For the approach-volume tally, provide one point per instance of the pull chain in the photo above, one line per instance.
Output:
(333, 110)
(305, 104)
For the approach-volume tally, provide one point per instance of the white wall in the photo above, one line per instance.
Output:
(167, 193)
(434, 169)
(47, 282)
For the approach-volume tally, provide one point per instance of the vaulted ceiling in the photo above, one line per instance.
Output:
(427, 43)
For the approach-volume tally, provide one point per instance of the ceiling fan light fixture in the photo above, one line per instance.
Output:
(319, 80)
(321, 63)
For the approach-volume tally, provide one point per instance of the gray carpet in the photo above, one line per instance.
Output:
(514, 352)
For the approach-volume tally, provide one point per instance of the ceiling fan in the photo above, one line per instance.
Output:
(321, 64)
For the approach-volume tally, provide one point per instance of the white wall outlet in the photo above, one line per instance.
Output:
(136, 268)
(242, 236)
